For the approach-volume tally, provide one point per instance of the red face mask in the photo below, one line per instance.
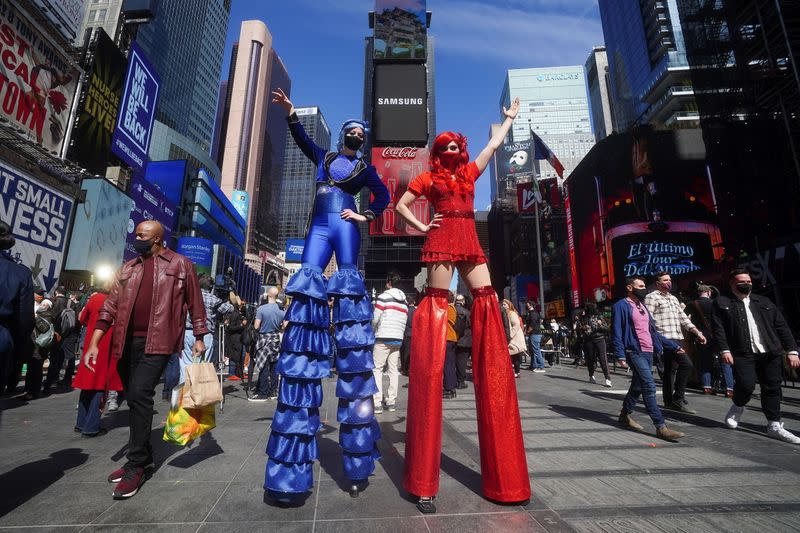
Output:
(449, 160)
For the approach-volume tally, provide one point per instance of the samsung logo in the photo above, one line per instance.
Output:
(399, 101)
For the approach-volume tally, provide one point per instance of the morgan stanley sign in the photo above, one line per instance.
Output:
(131, 140)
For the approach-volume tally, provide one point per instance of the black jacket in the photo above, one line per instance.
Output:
(465, 341)
(730, 329)
(16, 309)
(701, 311)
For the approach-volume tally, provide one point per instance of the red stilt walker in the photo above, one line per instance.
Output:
(452, 243)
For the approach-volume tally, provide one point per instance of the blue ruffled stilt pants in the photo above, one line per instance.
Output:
(304, 361)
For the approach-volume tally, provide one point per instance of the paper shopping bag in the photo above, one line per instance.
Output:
(202, 386)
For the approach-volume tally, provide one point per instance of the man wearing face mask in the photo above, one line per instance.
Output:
(147, 307)
(635, 339)
(752, 335)
(671, 320)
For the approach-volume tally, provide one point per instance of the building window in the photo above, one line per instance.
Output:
(97, 15)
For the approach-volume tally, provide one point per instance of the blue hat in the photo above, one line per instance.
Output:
(349, 125)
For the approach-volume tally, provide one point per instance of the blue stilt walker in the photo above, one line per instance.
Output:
(307, 343)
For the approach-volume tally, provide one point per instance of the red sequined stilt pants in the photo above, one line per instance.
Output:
(504, 469)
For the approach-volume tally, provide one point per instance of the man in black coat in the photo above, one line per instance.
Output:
(16, 312)
(752, 335)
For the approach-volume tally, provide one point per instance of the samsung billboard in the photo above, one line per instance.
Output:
(400, 108)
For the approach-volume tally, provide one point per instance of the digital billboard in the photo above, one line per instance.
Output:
(169, 177)
(39, 217)
(294, 250)
(400, 108)
(137, 111)
(638, 203)
(200, 251)
(400, 29)
(396, 168)
(100, 227)
(149, 203)
(241, 201)
(37, 81)
(91, 138)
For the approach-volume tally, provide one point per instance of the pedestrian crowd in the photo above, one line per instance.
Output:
(158, 317)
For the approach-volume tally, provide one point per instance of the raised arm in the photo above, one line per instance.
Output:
(301, 138)
(494, 143)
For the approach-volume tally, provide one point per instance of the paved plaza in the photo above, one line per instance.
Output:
(586, 474)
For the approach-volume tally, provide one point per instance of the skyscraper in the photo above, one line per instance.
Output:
(100, 14)
(598, 87)
(186, 42)
(553, 102)
(253, 135)
(650, 81)
(297, 187)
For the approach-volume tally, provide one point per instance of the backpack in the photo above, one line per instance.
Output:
(46, 333)
(68, 320)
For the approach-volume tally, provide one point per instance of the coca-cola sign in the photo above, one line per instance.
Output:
(393, 152)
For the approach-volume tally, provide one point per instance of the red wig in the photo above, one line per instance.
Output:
(463, 184)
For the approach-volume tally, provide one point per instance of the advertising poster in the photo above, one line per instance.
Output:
(37, 81)
(66, 15)
(199, 250)
(514, 162)
(400, 29)
(100, 227)
(149, 203)
(39, 217)
(137, 110)
(396, 168)
(294, 250)
(400, 110)
(91, 138)
(641, 202)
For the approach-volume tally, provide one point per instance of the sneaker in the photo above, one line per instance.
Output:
(668, 434)
(776, 431)
(257, 398)
(627, 421)
(607, 383)
(708, 390)
(116, 475)
(234, 378)
(378, 410)
(112, 406)
(539, 370)
(129, 485)
(733, 416)
(273, 397)
(592, 380)
(391, 408)
(516, 375)
(448, 394)
(729, 393)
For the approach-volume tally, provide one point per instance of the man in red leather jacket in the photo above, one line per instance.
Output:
(147, 305)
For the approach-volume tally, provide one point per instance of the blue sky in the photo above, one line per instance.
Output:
(322, 45)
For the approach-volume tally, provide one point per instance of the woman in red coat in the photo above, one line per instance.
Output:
(94, 385)
(452, 243)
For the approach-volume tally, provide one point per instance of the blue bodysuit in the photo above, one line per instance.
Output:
(307, 344)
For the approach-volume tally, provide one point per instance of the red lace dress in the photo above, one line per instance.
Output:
(455, 240)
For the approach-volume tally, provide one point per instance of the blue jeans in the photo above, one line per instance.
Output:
(706, 357)
(172, 375)
(186, 355)
(643, 384)
(535, 340)
(89, 411)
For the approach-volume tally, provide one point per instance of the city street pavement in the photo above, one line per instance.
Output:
(586, 473)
